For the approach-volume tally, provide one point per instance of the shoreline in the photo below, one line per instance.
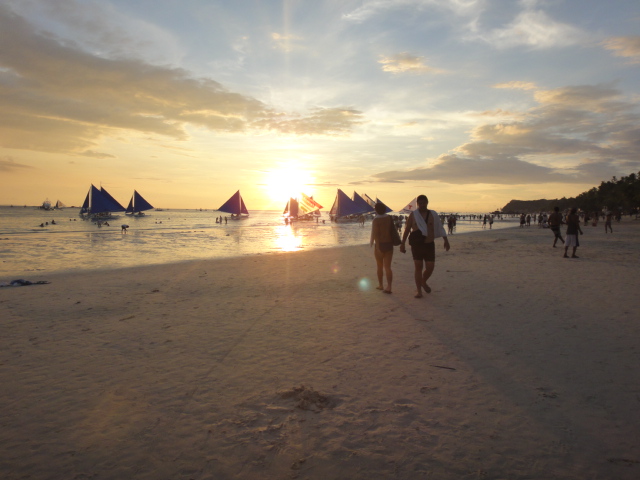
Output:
(520, 364)
(116, 234)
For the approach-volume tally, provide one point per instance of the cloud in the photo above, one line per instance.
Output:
(332, 121)
(515, 85)
(8, 164)
(286, 43)
(100, 28)
(628, 47)
(373, 8)
(56, 97)
(405, 63)
(534, 28)
(455, 169)
(574, 135)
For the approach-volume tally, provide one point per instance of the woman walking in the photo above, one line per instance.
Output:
(381, 231)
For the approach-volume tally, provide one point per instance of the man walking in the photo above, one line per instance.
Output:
(555, 220)
(423, 227)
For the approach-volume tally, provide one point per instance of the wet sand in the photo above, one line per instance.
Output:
(519, 365)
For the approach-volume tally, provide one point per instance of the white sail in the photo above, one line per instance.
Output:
(411, 206)
(308, 205)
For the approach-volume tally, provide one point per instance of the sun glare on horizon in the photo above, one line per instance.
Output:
(286, 182)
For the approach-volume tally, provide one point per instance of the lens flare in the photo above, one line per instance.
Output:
(364, 284)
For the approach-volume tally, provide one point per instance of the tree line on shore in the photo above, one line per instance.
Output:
(622, 193)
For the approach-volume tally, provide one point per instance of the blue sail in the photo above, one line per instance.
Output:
(343, 206)
(235, 205)
(362, 203)
(95, 202)
(387, 209)
(85, 206)
(114, 205)
(138, 203)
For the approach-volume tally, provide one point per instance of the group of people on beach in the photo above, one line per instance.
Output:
(423, 226)
(573, 228)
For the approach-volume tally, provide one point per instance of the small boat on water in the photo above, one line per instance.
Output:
(236, 207)
(345, 210)
(303, 209)
(46, 205)
(364, 205)
(137, 205)
(100, 205)
(59, 205)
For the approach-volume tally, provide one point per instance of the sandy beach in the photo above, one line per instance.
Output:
(519, 365)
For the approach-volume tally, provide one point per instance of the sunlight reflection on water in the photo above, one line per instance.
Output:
(160, 237)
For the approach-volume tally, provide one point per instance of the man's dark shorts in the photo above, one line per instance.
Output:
(556, 231)
(424, 251)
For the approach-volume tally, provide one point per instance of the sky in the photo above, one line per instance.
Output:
(471, 102)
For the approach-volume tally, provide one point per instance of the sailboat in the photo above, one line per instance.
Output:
(386, 208)
(236, 207)
(372, 202)
(369, 200)
(305, 208)
(291, 210)
(95, 205)
(344, 209)
(309, 207)
(366, 208)
(59, 205)
(137, 205)
(99, 205)
(411, 206)
(114, 205)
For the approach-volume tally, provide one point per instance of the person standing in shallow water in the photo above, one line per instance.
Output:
(573, 227)
(381, 237)
(423, 227)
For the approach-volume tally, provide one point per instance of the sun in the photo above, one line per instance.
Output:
(286, 182)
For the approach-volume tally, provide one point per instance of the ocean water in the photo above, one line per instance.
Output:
(73, 244)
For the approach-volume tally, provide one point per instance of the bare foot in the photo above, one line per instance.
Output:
(379, 287)
(418, 295)
(426, 287)
(387, 291)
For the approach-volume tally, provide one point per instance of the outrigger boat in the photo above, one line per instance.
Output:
(236, 207)
(372, 202)
(345, 210)
(304, 209)
(137, 205)
(46, 205)
(364, 205)
(99, 205)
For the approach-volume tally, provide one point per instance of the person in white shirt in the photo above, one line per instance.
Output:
(423, 227)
